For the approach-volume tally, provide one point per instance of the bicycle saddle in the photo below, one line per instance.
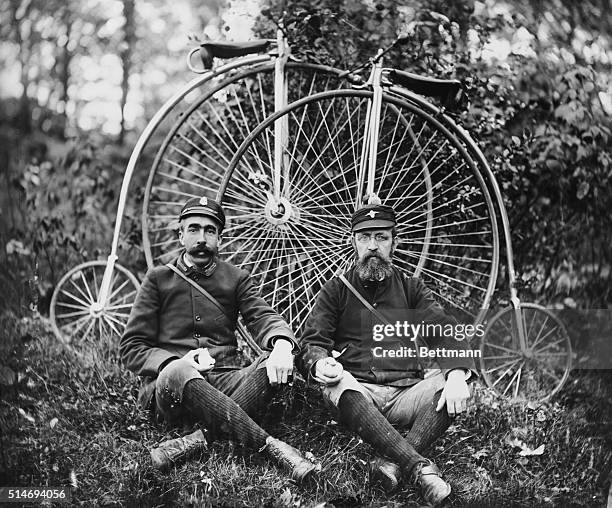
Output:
(449, 91)
(209, 50)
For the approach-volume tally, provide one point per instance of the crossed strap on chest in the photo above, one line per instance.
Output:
(378, 314)
(242, 331)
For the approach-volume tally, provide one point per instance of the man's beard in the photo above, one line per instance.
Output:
(374, 267)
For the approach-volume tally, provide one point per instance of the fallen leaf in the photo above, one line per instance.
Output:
(26, 416)
(527, 452)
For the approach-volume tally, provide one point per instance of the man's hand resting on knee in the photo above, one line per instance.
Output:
(455, 393)
(328, 371)
(279, 365)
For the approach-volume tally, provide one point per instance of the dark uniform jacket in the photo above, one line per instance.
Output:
(340, 322)
(170, 318)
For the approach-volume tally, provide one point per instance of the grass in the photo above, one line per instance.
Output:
(65, 422)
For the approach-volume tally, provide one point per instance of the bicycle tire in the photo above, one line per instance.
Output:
(92, 332)
(200, 144)
(461, 275)
(539, 372)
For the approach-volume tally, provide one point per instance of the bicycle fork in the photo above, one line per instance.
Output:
(281, 130)
(278, 208)
(369, 148)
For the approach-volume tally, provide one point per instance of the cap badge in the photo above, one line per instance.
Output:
(372, 214)
(204, 201)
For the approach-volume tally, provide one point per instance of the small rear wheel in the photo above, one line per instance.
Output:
(79, 320)
(540, 369)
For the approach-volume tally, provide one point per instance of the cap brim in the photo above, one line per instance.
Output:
(374, 224)
(200, 213)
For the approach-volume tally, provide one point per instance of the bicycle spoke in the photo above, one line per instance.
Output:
(76, 299)
(440, 261)
(514, 376)
(504, 374)
(502, 348)
(72, 314)
(548, 346)
(72, 306)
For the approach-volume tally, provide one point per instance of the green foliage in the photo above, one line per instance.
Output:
(68, 206)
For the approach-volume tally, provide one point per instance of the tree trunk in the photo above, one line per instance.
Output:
(129, 39)
(24, 118)
(66, 58)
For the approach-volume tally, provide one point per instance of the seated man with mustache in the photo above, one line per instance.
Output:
(374, 394)
(180, 338)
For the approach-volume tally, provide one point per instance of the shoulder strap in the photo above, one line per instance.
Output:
(199, 288)
(409, 290)
(378, 315)
(365, 303)
(240, 326)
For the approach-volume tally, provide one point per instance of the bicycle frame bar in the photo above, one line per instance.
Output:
(281, 126)
(372, 129)
(140, 144)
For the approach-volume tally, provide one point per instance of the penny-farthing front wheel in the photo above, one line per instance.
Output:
(292, 244)
(198, 149)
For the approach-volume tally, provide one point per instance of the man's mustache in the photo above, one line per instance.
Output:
(372, 255)
(202, 250)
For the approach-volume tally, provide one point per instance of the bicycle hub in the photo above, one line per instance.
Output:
(279, 211)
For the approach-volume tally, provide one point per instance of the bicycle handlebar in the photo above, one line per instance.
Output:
(212, 49)
(449, 91)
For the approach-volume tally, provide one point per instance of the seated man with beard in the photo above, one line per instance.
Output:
(180, 338)
(374, 391)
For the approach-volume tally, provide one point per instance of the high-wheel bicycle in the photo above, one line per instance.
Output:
(330, 150)
(385, 142)
(201, 126)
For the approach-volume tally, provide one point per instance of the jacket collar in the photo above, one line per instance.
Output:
(189, 270)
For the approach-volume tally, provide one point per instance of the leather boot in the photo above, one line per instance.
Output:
(171, 451)
(385, 472)
(428, 478)
(290, 458)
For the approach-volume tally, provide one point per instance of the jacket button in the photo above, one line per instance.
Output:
(197, 318)
(196, 335)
